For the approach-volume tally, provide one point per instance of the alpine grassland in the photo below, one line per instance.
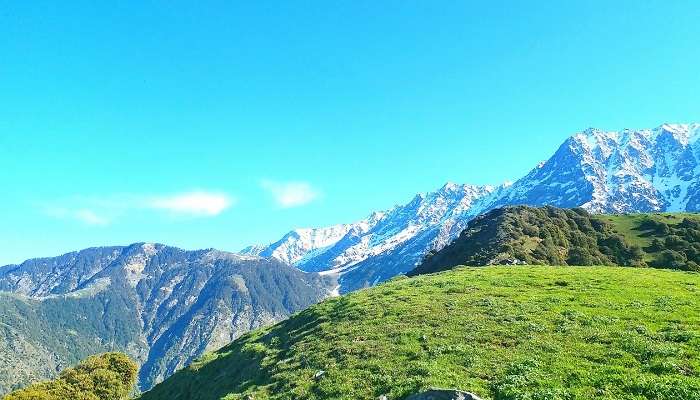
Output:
(501, 332)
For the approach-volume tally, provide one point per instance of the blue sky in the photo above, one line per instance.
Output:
(222, 124)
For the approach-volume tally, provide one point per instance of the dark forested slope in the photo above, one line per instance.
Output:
(555, 236)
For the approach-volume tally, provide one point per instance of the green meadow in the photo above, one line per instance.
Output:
(503, 333)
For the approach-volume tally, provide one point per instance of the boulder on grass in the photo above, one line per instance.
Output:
(443, 394)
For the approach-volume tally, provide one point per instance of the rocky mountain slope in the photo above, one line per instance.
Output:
(382, 245)
(601, 171)
(616, 172)
(161, 305)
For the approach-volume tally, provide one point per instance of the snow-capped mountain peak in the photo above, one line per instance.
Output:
(631, 170)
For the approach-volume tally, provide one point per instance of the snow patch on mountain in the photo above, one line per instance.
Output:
(601, 171)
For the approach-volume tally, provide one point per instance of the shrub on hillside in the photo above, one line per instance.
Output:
(109, 376)
(674, 246)
(670, 259)
(554, 236)
(536, 235)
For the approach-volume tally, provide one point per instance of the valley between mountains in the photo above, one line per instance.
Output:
(166, 307)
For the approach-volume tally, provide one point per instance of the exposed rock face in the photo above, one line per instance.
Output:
(443, 394)
(161, 305)
(601, 171)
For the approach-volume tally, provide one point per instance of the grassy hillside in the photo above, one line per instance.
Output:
(556, 236)
(500, 332)
(661, 235)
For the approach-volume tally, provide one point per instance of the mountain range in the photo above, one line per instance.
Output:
(601, 171)
(161, 305)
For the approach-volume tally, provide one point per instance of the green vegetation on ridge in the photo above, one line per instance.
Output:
(555, 236)
(40, 337)
(504, 333)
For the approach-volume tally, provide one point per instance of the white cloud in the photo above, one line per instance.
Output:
(103, 210)
(192, 203)
(84, 215)
(90, 217)
(290, 194)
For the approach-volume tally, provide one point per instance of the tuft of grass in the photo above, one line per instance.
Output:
(504, 333)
